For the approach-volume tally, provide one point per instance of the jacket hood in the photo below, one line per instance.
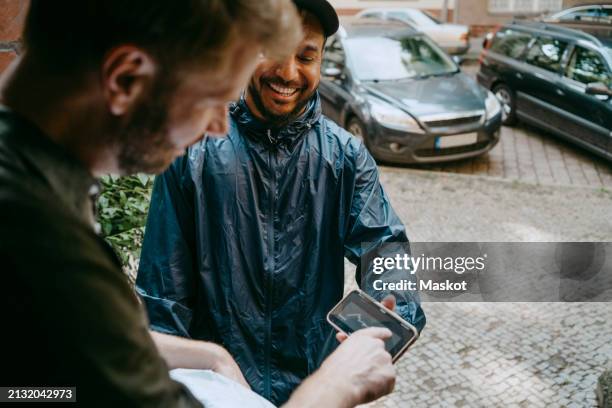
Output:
(263, 132)
(422, 97)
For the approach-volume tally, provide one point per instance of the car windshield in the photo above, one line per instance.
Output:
(388, 59)
(418, 17)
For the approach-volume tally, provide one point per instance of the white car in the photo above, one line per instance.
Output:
(453, 38)
(592, 14)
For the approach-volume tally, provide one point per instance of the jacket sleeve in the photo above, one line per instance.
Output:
(166, 275)
(375, 230)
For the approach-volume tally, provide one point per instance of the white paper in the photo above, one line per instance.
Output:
(217, 391)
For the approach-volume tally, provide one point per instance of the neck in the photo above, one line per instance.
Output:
(63, 115)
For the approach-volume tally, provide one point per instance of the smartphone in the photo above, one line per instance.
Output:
(358, 311)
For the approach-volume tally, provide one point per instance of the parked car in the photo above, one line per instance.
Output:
(395, 88)
(553, 77)
(453, 38)
(592, 14)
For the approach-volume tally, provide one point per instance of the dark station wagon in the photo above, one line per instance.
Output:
(554, 77)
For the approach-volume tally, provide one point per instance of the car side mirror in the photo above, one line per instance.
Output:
(332, 72)
(598, 88)
(458, 60)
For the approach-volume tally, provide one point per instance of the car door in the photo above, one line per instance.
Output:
(590, 116)
(334, 89)
(538, 98)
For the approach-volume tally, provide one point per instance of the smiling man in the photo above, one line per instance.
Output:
(246, 235)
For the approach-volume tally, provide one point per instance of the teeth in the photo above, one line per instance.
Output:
(285, 91)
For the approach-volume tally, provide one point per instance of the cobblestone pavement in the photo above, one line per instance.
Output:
(529, 154)
(501, 354)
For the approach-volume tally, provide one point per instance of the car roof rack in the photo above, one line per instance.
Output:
(552, 28)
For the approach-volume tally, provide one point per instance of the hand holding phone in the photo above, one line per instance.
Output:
(358, 310)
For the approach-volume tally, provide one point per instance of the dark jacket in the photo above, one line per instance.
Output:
(68, 313)
(246, 239)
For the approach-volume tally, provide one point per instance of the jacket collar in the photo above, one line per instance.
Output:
(262, 132)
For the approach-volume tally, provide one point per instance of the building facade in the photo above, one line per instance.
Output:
(481, 15)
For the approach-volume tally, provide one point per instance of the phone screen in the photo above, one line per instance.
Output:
(356, 312)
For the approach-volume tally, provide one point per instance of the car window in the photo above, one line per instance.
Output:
(546, 53)
(587, 66)
(372, 14)
(606, 15)
(432, 18)
(385, 58)
(413, 16)
(398, 15)
(511, 43)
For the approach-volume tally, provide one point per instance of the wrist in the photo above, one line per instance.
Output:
(213, 355)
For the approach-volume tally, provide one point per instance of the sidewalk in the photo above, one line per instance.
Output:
(501, 354)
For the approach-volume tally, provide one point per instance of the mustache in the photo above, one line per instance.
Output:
(280, 81)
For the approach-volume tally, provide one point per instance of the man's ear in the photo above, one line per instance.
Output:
(127, 71)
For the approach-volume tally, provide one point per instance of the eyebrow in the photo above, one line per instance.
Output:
(311, 47)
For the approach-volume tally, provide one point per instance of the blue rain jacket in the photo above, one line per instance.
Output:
(246, 238)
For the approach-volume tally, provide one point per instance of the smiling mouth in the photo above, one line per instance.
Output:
(283, 90)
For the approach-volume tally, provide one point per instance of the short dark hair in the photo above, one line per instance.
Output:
(71, 35)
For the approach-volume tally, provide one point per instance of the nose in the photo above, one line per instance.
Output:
(287, 70)
(219, 122)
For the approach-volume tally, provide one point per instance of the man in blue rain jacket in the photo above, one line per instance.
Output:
(246, 235)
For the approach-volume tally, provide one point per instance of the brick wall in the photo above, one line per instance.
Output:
(12, 14)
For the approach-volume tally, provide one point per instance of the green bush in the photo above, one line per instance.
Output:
(122, 211)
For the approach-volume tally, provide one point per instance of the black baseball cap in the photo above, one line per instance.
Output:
(323, 11)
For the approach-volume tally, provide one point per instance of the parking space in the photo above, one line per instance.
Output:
(529, 154)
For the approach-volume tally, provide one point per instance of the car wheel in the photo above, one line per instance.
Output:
(506, 98)
(357, 128)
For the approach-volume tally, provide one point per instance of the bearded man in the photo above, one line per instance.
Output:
(109, 86)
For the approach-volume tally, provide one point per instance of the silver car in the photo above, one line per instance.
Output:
(590, 14)
(410, 103)
(453, 38)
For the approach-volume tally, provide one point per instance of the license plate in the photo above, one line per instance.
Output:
(443, 142)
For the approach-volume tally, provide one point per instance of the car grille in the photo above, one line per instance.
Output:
(450, 150)
(460, 121)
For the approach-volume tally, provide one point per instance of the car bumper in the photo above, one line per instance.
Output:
(392, 146)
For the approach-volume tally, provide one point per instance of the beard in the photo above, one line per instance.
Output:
(275, 119)
(142, 139)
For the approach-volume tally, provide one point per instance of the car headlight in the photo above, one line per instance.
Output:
(393, 118)
(492, 105)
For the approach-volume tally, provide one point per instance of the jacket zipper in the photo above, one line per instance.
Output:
(269, 275)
